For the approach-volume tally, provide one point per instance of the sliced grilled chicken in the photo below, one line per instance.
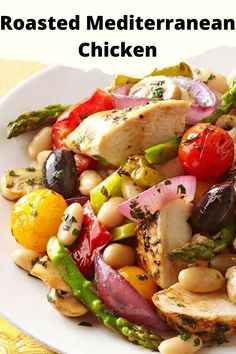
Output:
(212, 316)
(45, 270)
(157, 238)
(114, 135)
(231, 283)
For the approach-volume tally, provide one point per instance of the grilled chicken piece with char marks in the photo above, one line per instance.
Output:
(117, 134)
(155, 239)
(212, 315)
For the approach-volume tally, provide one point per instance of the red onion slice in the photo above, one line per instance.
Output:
(119, 296)
(122, 100)
(81, 199)
(154, 198)
(204, 98)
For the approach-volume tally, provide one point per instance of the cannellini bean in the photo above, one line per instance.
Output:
(201, 279)
(183, 344)
(214, 80)
(223, 261)
(71, 224)
(231, 283)
(88, 180)
(42, 156)
(66, 304)
(118, 255)
(25, 258)
(41, 141)
(226, 121)
(109, 214)
(171, 168)
(128, 188)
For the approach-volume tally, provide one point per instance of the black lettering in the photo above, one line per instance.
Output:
(149, 24)
(31, 24)
(204, 24)
(113, 51)
(168, 22)
(159, 23)
(190, 22)
(81, 49)
(51, 22)
(110, 24)
(151, 51)
(139, 23)
(62, 24)
(122, 23)
(138, 51)
(91, 25)
(179, 24)
(42, 24)
(96, 50)
(74, 24)
(231, 22)
(216, 25)
(18, 24)
(125, 51)
(5, 23)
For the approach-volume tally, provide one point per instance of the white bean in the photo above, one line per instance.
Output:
(231, 283)
(171, 168)
(71, 224)
(41, 141)
(88, 180)
(181, 345)
(214, 80)
(25, 258)
(199, 238)
(42, 156)
(201, 279)
(118, 255)
(109, 214)
(223, 261)
(128, 188)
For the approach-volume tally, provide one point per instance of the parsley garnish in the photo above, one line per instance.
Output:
(13, 174)
(105, 192)
(30, 169)
(30, 182)
(85, 324)
(185, 336)
(58, 174)
(75, 232)
(191, 138)
(69, 219)
(10, 185)
(196, 342)
(142, 277)
(181, 189)
(181, 305)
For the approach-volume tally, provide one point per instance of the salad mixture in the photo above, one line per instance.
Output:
(128, 208)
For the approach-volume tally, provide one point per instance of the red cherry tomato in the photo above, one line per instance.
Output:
(84, 162)
(206, 151)
(98, 101)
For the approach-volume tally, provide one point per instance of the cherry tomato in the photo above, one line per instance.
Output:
(206, 151)
(70, 119)
(84, 162)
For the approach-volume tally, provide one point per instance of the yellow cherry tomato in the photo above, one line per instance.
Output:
(201, 188)
(140, 280)
(36, 217)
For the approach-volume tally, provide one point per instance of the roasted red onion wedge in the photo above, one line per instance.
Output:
(119, 296)
(122, 100)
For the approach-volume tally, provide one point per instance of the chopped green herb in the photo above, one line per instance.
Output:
(40, 181)
(142, 277)
(100, 159)
(191, 138)
(210, 77)
(31, 169)
(69, 219)
(85, 324)
(13, 174)
(105, 192)
(185, 336)
(58, 174)
(34, 212)
(181, 189)
(43, 264)
(10, 185)
(157, 89)
(30, 182)
(50, 299)
(75, 232)
(196, 342)
(167, 182)
(181, 305)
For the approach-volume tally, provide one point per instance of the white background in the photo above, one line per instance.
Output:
(62, 46)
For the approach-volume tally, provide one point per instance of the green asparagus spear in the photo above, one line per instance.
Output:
(123, 231)
(227, 102)
(35, 119)
(163, 152)
(191, 252)
(85, 292)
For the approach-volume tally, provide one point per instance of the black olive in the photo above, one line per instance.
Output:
(59, 173)
(214, 210)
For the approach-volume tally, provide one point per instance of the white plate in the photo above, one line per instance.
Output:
(23, 299)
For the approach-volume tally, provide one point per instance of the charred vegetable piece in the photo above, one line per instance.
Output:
(214, 210)
(84, 291)
(227, 102)
(109, 187)
(35, 119)
(140, 171)
(59, 173)
(191, 252)
(163, 152)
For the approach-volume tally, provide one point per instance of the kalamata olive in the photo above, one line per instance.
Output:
(59, 173)
(214, 210)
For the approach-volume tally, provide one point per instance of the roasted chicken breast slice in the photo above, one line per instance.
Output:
(114, 135)
(212, 315)
(157, 238)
